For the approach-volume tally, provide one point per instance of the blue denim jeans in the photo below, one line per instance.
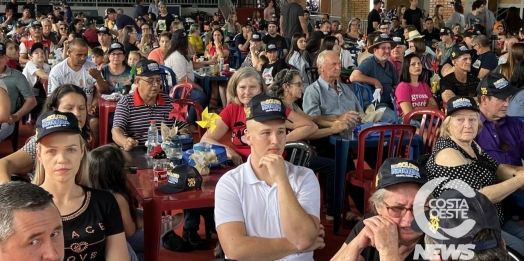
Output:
(196, 95)
(132, 254)
(513, 235)
(325, 167)
(136, 242)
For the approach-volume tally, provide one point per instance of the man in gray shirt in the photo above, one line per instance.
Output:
(328, 100)
(292, 21)
(17, 85)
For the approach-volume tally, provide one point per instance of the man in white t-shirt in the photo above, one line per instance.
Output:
(78, 71)
(267, 207)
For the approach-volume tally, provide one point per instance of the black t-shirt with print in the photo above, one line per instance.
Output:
(487, 60)
(86, 230)
(370, 253)
(164, 22)
(278, 41)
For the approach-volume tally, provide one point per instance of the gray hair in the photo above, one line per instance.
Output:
(321, 56)
(19, 196)
(481, 40)
(377, 199)
(194, 28)
(47, 20)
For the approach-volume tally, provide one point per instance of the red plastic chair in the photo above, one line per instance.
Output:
(389, 136)
(432, 118)
(186, 90)
(198, 109)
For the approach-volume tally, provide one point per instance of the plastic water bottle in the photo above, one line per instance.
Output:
(221, 65)
(152, 138)
(177, 150)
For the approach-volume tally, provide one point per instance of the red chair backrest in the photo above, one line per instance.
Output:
(395, 144)
(186, 90)
(198, 109)
(432, 118)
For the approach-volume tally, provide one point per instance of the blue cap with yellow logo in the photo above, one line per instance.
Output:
(263, 108)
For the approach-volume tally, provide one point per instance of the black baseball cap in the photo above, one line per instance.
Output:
(247, 23)
(116, 46)
(495, 84)
(147, 67)
(36, 24)
(263, 108)
(271, 47)
(256, 37)
(460, 49)
(477, 208)
(140, 18)
(471, 33)
(55, 121)
(20, 23)
(2, 48)
(103, 30)
(399, 170)
(460, 103)
(400, 40)
(36, 46)
(394, 18)
(110, 11)
(445, 31)
(181, 178)
(179, 34)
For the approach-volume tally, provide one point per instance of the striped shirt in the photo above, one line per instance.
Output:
(134, 117)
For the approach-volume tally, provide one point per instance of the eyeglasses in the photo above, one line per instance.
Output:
(299, 84)
(400, 211)
(153, 81)
(473, 47)
(116, 54)
(62, 28)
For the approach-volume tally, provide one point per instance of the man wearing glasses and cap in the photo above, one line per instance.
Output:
(385, 233)
(36, 36)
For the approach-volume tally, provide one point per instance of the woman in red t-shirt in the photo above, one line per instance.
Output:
(243, 85)
(216, 50)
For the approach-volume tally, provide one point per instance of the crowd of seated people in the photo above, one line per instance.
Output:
(58, 67)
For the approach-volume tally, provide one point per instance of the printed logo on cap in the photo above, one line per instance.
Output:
(384, 36)
(405, 170)
(397, 39)
(442, 30)
(153, 67)
(501, 83)
(270, 105)
(256, 36)
(271, 46)
(463, 48)
(139, 70)
(484, 90)
(462, 102)
(55, 120)
(115, 45)
(247, 110)
(172, 177)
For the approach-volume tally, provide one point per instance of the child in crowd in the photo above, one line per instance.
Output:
(133, 58)
(13, 54)
(97, 56)
(107, 172)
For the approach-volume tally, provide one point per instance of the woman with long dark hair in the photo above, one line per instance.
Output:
(216, 50)
(412, 92)
(176, 58)
(107, 172)
(65, 98)
(129, 38)
(513, 20)
(76, 27)
(296, 58)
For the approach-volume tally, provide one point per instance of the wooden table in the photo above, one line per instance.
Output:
(154, 202)
(105, 108)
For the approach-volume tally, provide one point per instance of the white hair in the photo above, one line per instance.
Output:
(321, 56)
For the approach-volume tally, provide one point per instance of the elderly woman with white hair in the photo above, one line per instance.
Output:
(457, 157)
(385, 233)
